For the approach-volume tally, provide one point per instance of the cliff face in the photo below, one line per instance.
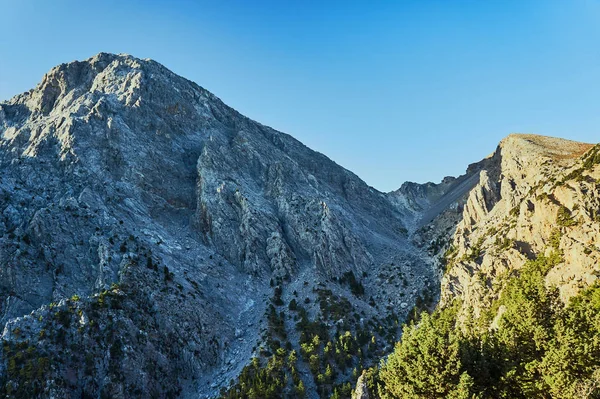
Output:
(539, 196)
(146, 223)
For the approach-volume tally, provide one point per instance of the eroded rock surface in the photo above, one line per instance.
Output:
(539, 196)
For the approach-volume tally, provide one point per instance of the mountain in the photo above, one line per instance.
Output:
(152, 238)
(518, 314)
(522, 201)
(155, 243)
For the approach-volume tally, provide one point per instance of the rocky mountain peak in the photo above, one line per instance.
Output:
(122, 75)
(124, 183)
(537, 199)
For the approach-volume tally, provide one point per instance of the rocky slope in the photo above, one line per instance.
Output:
(507, 209)
(534, 196)
(519, 265)
(144, 226)
(539, 196)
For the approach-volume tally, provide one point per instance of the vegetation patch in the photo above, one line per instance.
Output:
(538, 349)
(564, 217)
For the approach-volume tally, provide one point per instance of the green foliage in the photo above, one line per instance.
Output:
(592, 157)
(277, 301)
(503, 243)
(564, 217)
(572, 361)
(426, 362)
(475, 253)
(309, 329)
(261, 382)
(554, 240)
(464, 389)
(150, 264)
(276, 322)
(332, 306)
(26, 370)
(333, 345)
(515, 210)
(437, 244)
(334, 356)
(576, 175)
(448, 257)
(538, 349)
(63, 317)
(526, 325)
(167, 274)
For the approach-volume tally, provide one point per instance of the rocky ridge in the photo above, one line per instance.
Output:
(538, 196)
(519, 266)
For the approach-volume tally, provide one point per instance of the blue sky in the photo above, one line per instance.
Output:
(392, 90)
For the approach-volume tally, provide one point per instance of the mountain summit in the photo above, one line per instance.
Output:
(150, 226)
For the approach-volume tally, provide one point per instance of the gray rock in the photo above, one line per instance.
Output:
(114, 170)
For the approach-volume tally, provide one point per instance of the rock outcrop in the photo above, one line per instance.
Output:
(539, 196)
(361, 391)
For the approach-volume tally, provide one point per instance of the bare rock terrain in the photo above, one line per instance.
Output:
(144, 225)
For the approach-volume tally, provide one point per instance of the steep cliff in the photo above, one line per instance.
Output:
(538, 197)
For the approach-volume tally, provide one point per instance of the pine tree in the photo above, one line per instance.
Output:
(426, 362)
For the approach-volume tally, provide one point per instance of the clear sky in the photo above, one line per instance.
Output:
(392, 90)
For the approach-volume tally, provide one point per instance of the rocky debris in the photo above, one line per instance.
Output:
(361, 391)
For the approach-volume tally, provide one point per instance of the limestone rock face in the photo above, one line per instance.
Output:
(259, 189)
(539, 195)
(143, 220)
(533, 196)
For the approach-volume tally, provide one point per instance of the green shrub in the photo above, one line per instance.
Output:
(564, 217)
(592, 157)
(554, 239)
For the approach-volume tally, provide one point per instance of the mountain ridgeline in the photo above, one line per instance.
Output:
(519, 315)
(155, 243)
